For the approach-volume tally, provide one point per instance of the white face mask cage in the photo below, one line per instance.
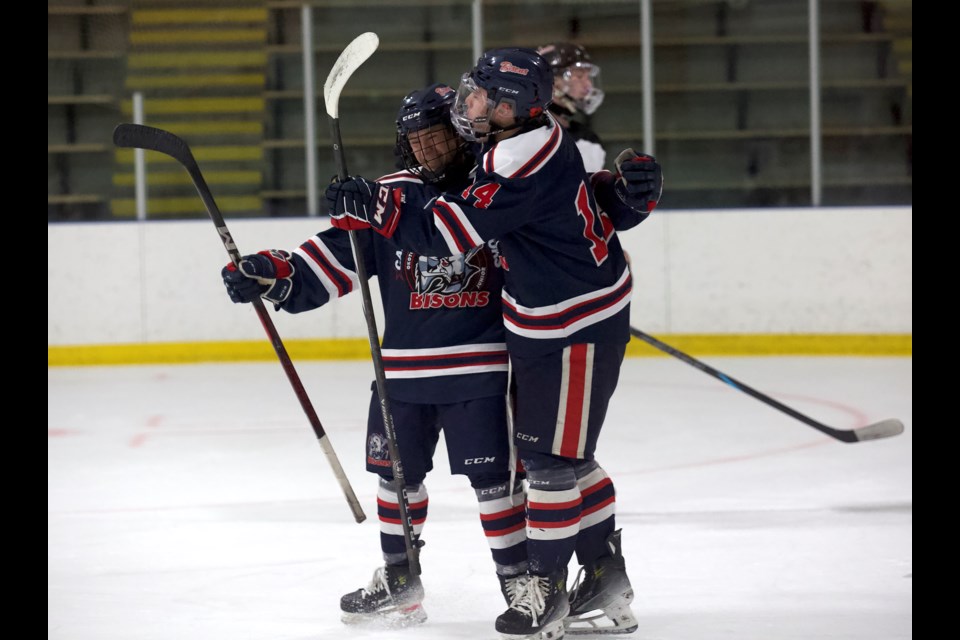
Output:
(580, 83)
(475, 127)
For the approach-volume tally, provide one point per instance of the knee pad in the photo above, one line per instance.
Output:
(548, 472)
(591, 476)
(486, 480)
(585, 467)
(386, 484)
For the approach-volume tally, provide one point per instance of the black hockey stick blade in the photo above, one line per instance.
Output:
(140, 136)
(875, 431)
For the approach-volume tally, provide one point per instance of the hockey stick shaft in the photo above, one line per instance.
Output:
(349, 61)
(882, 429)
(143, 137)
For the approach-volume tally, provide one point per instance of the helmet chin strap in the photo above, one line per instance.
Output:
(494, 132)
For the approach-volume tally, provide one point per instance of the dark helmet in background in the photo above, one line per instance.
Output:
(576, 78)
(427, 143)
(516, 76)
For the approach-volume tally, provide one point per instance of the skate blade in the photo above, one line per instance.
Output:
(615, 619)
(396, 618)
(550, 631)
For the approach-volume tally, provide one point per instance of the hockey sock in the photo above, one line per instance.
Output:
(502, 515)
(553, 516)
(597, 518)
(392, 540)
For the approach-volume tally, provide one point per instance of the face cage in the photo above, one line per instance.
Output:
(470, 129)
(594, 98)
(413, 164)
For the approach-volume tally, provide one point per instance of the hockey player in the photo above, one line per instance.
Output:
(576, 96)
(444, 358)
(566, 306)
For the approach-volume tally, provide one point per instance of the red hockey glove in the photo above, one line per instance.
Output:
(267, 274)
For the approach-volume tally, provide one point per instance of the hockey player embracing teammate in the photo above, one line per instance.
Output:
(444, 358)
(566, 305)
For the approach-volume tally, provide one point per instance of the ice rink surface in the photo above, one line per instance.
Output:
(194, 502)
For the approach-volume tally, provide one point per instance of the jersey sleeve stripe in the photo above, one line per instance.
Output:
(454, 227)
(400, 176)
(488, 164)
(335, 278)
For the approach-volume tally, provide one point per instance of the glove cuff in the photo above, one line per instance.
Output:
(279, 291)
(387, 210)
(604, 192)
(278, 288)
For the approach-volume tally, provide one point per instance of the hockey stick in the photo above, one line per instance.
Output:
(354, 55)
(138, 136)
(882, 429)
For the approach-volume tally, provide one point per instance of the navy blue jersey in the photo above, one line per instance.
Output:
(444, 339)
(566, 278)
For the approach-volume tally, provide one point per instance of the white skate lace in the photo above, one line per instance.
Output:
(530, 597)
(513, 586)
(378, 583)
(576, 584)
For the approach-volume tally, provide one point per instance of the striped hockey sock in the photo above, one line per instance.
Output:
(553, 522)
(597, 519)
(503, 518)
(392, 540)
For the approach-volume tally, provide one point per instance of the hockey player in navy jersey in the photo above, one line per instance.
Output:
(566, 306)
(444, 358)
(576, 96)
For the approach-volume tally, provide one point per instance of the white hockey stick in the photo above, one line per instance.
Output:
(356, 53)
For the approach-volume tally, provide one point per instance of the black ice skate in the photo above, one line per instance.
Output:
(537, 608)
(601, 602)
(391, 599)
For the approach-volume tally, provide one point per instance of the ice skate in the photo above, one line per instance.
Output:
(537, 608)
(392, 599)
(600, 602)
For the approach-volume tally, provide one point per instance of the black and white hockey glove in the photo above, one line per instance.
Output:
(639, 180)
(267, 275)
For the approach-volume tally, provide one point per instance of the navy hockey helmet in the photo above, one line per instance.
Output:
(425, 107)
(426, 141)
(516, 76)
(576, 77)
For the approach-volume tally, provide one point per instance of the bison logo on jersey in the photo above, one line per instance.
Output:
(452, 282)
(445, 275)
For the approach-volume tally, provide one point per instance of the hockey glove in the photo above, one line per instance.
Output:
(357, 203)
(267, 275)
(639, 180)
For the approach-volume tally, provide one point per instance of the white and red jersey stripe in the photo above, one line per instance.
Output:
(573, 412)
(337, 278)
(445, 361)
(565, 318)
